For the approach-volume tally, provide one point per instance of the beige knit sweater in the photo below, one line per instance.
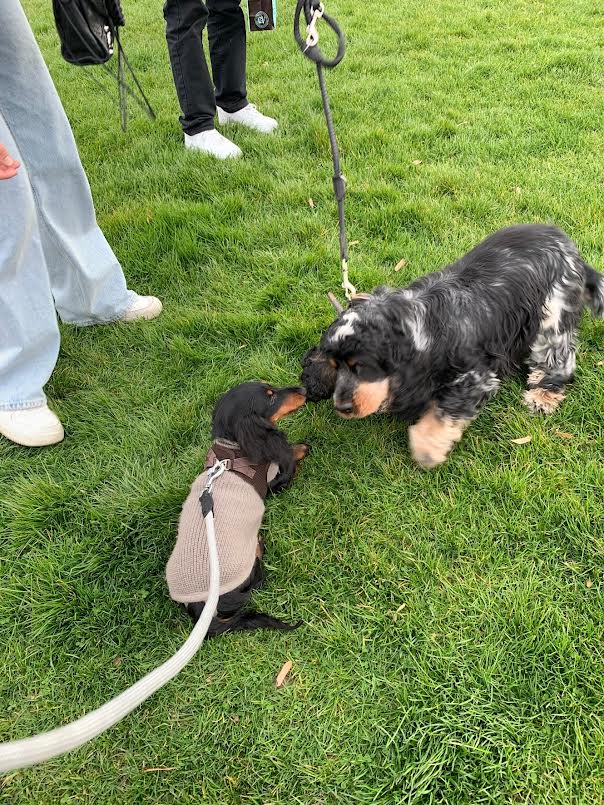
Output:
(238, 511)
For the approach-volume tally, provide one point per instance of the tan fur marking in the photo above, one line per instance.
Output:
(370, 397)
(432, 438)
(542, 401)
(292, 403)
(300, 451)
(535, 377)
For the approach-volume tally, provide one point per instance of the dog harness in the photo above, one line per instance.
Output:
(238, 510)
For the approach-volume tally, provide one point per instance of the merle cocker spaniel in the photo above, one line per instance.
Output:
(433, 353)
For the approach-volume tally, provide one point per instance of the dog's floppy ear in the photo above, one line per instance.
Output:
(250, 432)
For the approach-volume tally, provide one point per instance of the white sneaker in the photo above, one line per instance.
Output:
(32, 427)
(143, 307)
(248, 116)
(212, 142)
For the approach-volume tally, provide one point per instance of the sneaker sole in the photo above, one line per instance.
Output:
(31, 442)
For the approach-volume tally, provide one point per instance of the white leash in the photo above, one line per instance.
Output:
(29, 751)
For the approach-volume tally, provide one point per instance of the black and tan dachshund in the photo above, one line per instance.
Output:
(260, 460)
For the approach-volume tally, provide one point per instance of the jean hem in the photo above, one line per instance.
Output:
(231, 108)
(191, 131)
(115, 318)
(23, 406)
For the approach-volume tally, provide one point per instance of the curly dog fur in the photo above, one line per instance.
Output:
(433, 353)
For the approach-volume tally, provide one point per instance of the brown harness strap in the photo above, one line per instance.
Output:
(254, 474)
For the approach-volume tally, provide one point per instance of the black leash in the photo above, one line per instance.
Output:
(313, 12)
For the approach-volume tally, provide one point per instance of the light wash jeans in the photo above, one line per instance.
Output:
(52, 253)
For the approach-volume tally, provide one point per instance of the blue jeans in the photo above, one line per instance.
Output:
(53, 256)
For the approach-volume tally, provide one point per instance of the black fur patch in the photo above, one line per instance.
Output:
(450, 337)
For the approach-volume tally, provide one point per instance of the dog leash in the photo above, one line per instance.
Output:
(314, 11)
(38, 748)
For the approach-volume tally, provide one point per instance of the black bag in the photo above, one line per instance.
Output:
(87, 29)
(89, 34)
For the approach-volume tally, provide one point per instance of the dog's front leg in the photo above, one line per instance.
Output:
(288, 461)
(285, 475)
(433, 437)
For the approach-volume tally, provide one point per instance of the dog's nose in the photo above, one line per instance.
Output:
(344, 407)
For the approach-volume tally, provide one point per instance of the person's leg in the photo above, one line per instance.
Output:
(87, 281)
(185, 22)
(228, 51)
(29, 334)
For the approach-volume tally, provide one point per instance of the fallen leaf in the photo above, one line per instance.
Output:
(283, 673)
(401, 264)
(117, 662)
(600, 363)
(417, 162)
(522, 440)
(564, 435)
(354, 242)
(235, 719)
(311, 203)
(589, 584)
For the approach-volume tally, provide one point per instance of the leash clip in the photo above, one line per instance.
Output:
(349, 289)
(215, 471)
(312, 38)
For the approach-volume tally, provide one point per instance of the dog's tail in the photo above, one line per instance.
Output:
(594, 291)
(249, 620)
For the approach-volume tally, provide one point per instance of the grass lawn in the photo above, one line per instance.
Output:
(452, 647)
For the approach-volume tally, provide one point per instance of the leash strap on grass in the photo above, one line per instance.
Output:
(313, 12)
(37, 749)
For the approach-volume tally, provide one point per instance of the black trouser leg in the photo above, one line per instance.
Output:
(226, 35)
(185, 21)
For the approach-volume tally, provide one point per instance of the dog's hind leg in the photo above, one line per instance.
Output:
(433, 437)
(553, 354)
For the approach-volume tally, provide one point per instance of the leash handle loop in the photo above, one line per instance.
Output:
(313, 11)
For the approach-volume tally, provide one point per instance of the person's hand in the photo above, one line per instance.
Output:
(8, 166)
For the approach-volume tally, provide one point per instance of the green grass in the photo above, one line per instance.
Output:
(452, 647)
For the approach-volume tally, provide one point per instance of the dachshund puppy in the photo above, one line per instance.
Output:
(259, 460)
(435, 352)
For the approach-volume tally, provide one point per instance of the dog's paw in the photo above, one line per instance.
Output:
(301, 450)
(433, 437)
(428, 457)
(542, 401)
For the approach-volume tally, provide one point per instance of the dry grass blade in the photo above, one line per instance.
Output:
(281, 676)
(522, 440)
